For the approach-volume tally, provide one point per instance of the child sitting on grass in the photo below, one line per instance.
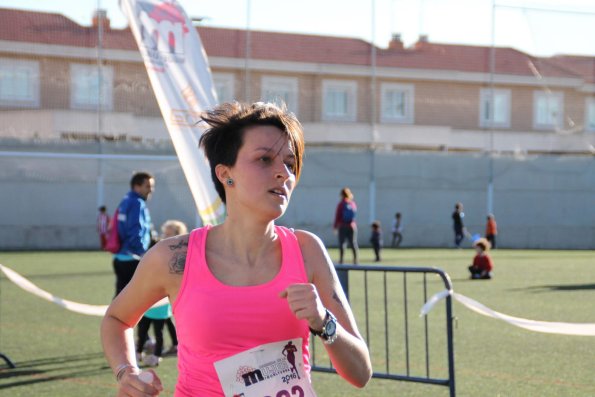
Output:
(482, 266)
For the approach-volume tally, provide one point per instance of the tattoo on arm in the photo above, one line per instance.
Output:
(181, 245)
(336, 297)
(178, 256)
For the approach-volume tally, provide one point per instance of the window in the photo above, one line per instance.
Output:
(84, 86)
(497, 115)
(224, 86)
(280, 90)
(19, 83)
(548, 112)
(397, 103)
(590, 114)
(339, 100)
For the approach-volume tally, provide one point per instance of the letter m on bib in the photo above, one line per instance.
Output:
(252, 377)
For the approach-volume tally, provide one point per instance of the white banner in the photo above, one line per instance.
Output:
(181, 79)
(81, 308)
(577, 329)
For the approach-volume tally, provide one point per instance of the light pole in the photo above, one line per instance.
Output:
(492, 108)
(100, 95)
(247, 92)
(374, 129)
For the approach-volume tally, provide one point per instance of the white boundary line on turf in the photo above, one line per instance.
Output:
(82, 308)
(577, 329)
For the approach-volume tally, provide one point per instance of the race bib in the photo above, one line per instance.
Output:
(272, 370)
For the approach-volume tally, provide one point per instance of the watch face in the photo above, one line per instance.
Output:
(331, 328)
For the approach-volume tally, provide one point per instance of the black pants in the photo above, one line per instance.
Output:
(376, 246)
(477, 274)
(397, 238)
(348, 234)
(492, 239)
(459, 236)
(124, 271)
(172, 331)
(143, 334)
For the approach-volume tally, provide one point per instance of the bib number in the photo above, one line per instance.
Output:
(295, 391)
(272, 370)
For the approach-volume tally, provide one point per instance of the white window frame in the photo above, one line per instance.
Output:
(590, 114)
(29, 98)
(226, 82)
(272, 84)
(91, 101)
(485, 98)
(559, 119)
(408, 91)
(350, 89)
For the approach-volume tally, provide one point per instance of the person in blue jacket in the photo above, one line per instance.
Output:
(134, 228)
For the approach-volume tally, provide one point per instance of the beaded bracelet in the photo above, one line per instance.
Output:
(121, 369)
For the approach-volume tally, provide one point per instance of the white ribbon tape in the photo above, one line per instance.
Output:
(581, 329)
(82, 308)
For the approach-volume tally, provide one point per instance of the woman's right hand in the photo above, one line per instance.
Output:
(131, 385)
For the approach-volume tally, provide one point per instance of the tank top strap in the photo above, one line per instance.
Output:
(291, 252)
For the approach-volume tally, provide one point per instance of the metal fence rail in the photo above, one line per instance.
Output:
(376, 302)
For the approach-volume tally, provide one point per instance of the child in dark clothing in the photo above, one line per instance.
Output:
(376, 239)
(482, 263)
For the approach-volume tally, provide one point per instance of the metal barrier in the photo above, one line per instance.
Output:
(377, 297)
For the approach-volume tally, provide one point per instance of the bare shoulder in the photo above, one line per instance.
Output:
(321, 272)
(175, 250)
(316, 258)
(168, 255)
(310, 243)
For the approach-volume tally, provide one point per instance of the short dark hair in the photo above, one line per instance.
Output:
(228, 123)
(139, 178)
(346, 193)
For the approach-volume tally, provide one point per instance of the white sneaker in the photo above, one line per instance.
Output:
(151, 360)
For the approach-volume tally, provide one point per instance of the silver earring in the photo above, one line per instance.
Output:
(229, 182)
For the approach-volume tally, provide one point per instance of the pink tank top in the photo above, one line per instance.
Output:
(215, 321)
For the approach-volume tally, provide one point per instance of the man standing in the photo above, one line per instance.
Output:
(134, 228)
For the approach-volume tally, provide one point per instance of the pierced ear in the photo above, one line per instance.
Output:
(223, 173)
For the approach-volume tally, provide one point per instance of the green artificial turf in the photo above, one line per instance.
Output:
(58, 353)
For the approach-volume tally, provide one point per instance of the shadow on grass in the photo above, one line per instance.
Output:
(52, 369)
(6, 373)
(68, 275)
(57, 360)
(566, 287)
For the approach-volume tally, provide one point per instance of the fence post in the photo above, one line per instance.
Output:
(343, 276)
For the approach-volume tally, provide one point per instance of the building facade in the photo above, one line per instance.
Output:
(60, 80)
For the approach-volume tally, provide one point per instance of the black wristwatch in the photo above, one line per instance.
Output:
(329, 329)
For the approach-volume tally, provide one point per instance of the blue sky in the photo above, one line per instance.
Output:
(568, 27)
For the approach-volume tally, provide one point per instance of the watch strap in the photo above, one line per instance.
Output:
(324, 334)
(326, 319)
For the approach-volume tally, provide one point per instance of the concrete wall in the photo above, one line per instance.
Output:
(539, 202)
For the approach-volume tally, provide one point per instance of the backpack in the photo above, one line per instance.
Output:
(113, 243)
(348, 213)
